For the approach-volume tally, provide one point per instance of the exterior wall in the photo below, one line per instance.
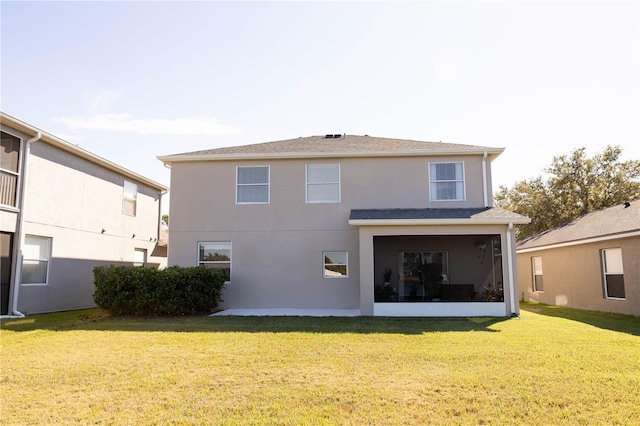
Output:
(277, 247)
(572, 276)
(70, 200)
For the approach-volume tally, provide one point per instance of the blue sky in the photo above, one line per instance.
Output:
(133, 80)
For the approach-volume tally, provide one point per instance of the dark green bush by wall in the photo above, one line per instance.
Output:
(124, 290)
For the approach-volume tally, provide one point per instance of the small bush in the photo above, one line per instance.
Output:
(125, 290)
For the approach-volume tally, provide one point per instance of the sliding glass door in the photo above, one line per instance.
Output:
(421, 275)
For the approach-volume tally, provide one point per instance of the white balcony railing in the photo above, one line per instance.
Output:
(8, 186)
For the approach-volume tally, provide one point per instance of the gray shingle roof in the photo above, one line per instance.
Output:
(343, 145)
(610, 221)
(479, 214)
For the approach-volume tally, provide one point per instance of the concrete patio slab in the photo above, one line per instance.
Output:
(291, 312)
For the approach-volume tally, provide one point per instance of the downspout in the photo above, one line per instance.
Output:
(510, 266)
(17, 276)
(484, 180)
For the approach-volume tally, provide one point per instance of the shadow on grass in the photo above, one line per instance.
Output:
(96, 319)
(605, 320)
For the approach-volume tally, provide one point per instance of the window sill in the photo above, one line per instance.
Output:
(9, 208)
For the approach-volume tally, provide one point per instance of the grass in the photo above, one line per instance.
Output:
(551, 366)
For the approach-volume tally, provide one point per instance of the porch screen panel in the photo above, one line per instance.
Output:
(420, 272)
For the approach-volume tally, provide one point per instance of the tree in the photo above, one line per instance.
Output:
(576, 185)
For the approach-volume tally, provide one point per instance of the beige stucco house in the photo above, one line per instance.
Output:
(592, 262)
(64, 210)
(384, 226)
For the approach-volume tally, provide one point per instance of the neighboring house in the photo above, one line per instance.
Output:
(64, 210)
(315, 222)
(592, 262)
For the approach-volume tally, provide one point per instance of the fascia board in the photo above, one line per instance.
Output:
(75, 150)
(439, 222)
(579, 242)
(296, 155)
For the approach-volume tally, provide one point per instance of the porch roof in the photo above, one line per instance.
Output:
(443, 216)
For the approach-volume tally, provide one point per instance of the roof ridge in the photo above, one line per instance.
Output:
(344, 145)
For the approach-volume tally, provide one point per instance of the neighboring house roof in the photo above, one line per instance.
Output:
(435, 216)
(334, 146)
(613, 222)
(28, 129)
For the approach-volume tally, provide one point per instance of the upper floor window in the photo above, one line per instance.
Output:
(252, 185)
(446, 181)
(536, 267)
(130, 198)
(612, 273)
(9, 158)
(35, 262)
(323, 183)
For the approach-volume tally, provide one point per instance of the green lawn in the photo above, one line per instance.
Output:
(551, 366)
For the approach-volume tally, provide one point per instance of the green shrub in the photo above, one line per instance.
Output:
(125, 290)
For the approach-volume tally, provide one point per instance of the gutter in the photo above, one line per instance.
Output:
(178, 158)
(484, 179)
(17, 263)
(424, 222)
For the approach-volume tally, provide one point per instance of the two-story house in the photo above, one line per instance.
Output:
(64, 210)
(384, 226)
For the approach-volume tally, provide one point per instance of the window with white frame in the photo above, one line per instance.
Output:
(446, 181)
(36, 255)
(139, 257)
(129, 198)
(612, 273)
(335, 264)
(536, 267)
(252, 185)
(216, 255)
(323, 183)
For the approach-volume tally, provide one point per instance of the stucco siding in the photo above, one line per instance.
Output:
(572, 276)
(279, 269)
(209, 190)
(71, 200)
(277, 247)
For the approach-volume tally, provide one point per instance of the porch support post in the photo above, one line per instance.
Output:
(511, 271)
(366, 271)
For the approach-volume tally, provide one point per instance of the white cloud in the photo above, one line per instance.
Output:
(189, 126)
(104, 100)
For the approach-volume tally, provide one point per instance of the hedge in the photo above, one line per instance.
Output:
(139, 291)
